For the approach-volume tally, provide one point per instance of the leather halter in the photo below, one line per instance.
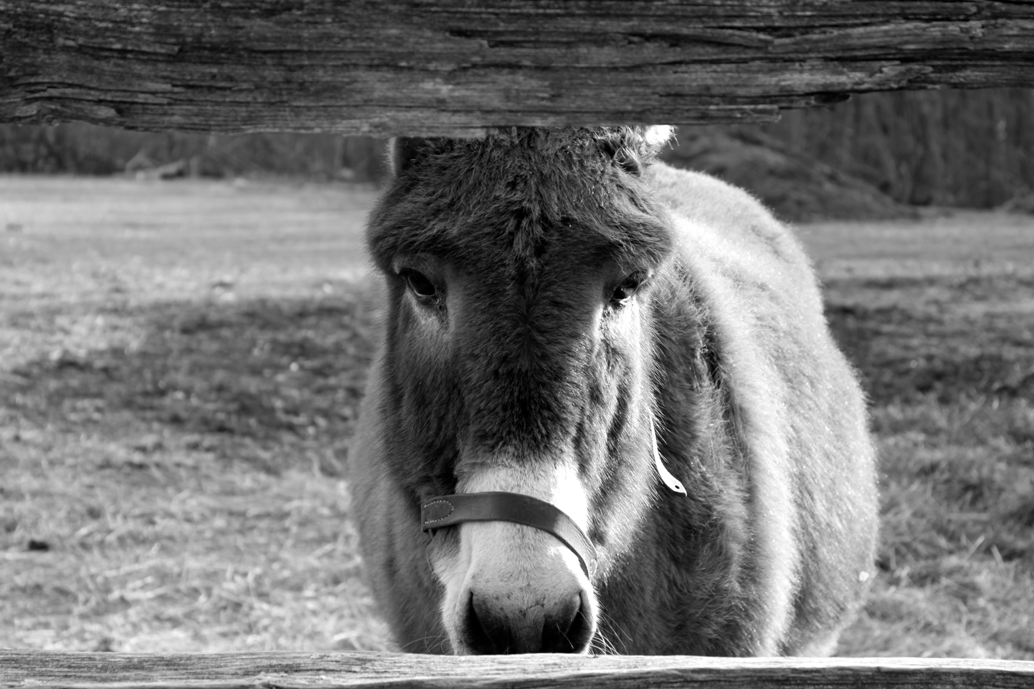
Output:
(447, 510)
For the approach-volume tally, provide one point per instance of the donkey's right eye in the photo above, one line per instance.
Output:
(419, 284)
(626, 289)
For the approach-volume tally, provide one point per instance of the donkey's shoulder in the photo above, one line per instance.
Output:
(737, 216)
(724, 227)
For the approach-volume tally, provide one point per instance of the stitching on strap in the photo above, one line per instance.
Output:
(452, 508)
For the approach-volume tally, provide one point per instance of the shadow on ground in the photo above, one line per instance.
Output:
(947, 337)
(264, 371)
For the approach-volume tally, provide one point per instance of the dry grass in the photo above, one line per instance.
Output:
(939, 317)
(180, 367)
(180, 373)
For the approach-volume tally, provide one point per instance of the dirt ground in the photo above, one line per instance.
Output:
(180, 369)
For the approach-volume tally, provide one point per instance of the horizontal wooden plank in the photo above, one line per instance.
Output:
(450, 66)
(39, 669)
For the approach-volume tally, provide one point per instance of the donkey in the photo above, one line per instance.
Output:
(607, 413)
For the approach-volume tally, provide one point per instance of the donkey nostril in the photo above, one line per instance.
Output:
(567, 628)
(486, 630)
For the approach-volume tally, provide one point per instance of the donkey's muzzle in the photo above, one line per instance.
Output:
(492, 629)
(448, 510)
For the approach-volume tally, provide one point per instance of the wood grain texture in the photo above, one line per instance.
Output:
(448, 66)
(40, 669)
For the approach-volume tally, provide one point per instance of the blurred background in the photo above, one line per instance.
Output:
(865, 158)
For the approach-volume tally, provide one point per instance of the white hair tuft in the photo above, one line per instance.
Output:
(657, 135)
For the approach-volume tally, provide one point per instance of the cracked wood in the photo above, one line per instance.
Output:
(43, 670)
(419, 67)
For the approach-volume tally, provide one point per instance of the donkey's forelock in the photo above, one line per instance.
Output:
(631, 146)
(518, 189)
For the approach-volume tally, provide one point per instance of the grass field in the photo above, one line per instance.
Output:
(180, 369)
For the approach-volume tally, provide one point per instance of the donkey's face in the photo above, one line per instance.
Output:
(520, 269)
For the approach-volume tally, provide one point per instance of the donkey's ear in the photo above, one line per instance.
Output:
(633, 148)
(403, 151)
(656, 137)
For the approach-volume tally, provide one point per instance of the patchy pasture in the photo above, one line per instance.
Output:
(180, 370)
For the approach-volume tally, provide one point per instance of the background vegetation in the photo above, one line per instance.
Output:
(950, 148)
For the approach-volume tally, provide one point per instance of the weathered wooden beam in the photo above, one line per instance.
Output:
(40, 669)
(450, 66)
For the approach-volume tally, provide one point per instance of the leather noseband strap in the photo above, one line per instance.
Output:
(447, 510)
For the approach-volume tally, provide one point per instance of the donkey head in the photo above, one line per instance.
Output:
(521, 269)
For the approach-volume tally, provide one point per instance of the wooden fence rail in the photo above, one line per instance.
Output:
(452, 66)
(41, 669)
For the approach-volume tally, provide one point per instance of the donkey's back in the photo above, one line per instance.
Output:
(793, 407)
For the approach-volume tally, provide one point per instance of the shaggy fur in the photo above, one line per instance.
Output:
(525, 358)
